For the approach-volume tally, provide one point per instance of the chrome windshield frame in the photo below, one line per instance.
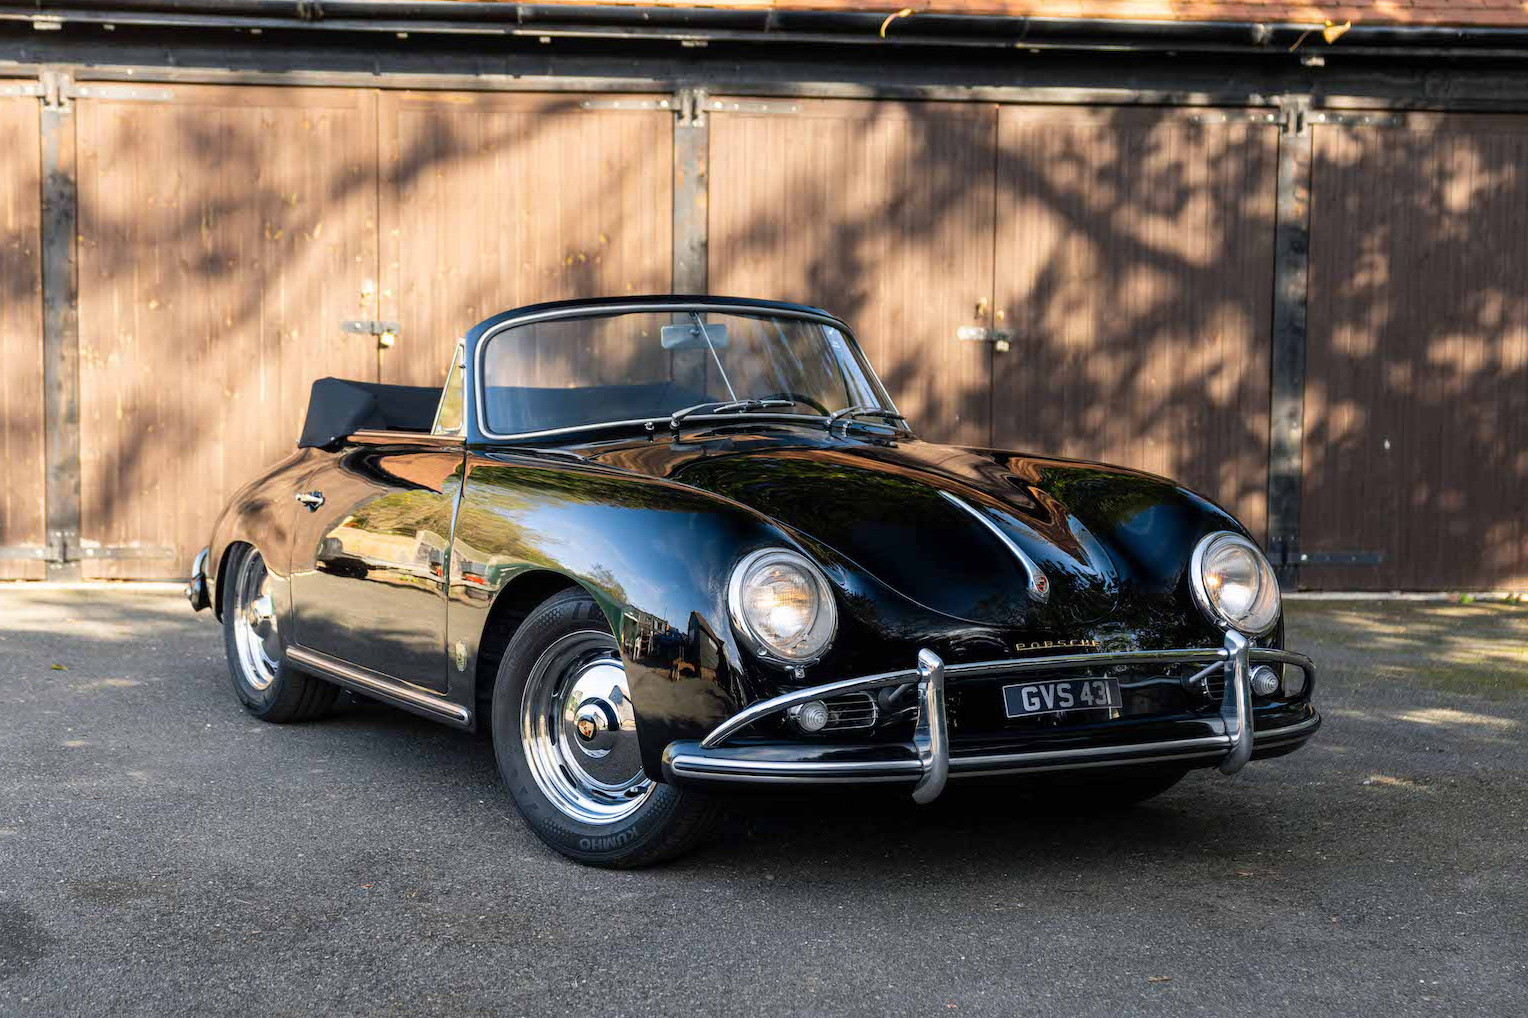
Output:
(477, 387)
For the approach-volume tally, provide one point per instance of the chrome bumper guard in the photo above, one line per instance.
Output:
(929, 763)
(196, 587)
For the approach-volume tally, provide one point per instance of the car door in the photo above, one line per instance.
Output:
(370, 557)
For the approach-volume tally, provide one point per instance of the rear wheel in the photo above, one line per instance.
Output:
(564, 732)
(265, 683)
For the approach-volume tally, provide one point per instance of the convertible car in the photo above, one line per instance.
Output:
(667, 548)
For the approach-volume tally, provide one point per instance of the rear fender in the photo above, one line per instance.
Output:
(261, 514)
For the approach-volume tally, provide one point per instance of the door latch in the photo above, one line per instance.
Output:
(1000, 339)
(386, 332)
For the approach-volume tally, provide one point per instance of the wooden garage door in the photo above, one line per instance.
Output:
(21, 434)
(879, 212)
(493, 201)
(1134, 268)
(1416, 404)
(225, 233)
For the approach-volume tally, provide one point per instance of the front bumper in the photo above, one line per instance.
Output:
(926, 761)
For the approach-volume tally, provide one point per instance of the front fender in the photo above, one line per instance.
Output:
(654, 554)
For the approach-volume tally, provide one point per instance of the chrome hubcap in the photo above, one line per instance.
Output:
(254, 623)
(579, 730)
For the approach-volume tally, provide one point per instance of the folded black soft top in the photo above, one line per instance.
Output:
(338, 407)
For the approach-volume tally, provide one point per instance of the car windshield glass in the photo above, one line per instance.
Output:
(644, 365)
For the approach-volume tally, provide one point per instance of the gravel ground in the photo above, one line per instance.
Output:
(162, 853)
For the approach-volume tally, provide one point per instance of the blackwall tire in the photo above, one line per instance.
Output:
(266, 684)
(564, 736)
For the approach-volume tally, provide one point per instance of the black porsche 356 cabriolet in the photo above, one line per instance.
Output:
(673, 546)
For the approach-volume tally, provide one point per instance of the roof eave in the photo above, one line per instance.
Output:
(764, 25)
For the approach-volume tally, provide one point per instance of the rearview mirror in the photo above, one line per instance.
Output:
(688, 337)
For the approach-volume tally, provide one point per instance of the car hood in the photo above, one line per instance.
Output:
(882, 505)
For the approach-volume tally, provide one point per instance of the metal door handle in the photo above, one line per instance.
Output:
(977, 334)
(311, 499)
(999, 338)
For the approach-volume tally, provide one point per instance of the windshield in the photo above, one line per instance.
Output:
(642, 365)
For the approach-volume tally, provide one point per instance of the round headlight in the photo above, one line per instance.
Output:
(1234, 584)
(782, 606)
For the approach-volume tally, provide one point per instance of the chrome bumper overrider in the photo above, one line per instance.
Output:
(196, 588)
(926, 761)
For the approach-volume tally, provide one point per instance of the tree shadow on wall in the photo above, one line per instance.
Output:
(223, 243)
(1128, 252)
(1133, 262)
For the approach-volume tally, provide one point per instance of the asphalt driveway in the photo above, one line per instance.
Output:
(163, 853)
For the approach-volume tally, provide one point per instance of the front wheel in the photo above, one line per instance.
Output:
(265, 683)
(564, 732)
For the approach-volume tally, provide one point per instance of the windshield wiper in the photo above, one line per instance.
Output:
(738, 406)
(863, 411)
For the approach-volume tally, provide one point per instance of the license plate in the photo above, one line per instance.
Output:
(1026, 699)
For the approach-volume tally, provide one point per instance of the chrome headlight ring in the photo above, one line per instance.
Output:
(1207, 581)
(791, 587)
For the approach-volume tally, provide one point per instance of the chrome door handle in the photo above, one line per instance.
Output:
(311, 499)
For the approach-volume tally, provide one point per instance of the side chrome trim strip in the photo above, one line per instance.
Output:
(401, 693)
(1039, 585)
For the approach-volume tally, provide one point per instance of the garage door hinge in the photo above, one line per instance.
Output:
(689, 106)
(20, 88)
(1293, 111)
(756, 107)
(57, 88)
(626, 104)
(1355, 118)
(64, 546)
